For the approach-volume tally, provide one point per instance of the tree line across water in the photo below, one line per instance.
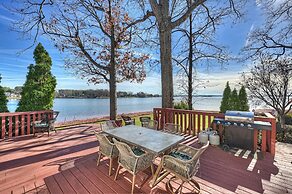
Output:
(99, 93)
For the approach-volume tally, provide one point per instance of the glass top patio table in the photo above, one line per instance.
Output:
(152, 140)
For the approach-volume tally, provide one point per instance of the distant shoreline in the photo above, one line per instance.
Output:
(205, 96)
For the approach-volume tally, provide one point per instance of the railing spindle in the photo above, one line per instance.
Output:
(16, 125)
(3, 127)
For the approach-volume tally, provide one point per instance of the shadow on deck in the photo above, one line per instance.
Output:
(65, 162)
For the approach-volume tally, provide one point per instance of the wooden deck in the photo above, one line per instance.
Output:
(65, 162)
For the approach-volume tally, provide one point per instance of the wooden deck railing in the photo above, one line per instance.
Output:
(191, 121)
(194, 121)
(20, 123)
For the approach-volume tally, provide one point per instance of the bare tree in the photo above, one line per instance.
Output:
(274, 37)
(170, 14)
(98, 35)
(183, 86)
(270, 82)
(197, 46)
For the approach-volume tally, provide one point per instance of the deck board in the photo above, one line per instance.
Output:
(65, 162)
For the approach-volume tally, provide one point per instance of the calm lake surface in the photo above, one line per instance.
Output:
(73, 109)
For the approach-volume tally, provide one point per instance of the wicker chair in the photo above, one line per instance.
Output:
(106, 148)
(144, 121)
(184, 163)
(133, 160)
(46, 124)
(152, 124)
(172, 128)
(111, 124)
(128, 120)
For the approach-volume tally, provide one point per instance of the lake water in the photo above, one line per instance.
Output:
(73, 109)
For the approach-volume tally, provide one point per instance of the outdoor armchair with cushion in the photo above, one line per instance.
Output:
(172, 128)
(128, 120)
(183, 162)
(111, 124)
(152, 124)
(46, 124)
(106, 148)
(133, 160)
(144, 121)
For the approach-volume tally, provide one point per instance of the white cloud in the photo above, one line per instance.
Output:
(247, 41)
(6, 18)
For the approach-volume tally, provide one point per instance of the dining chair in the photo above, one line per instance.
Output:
(128, 120)
(110, 124)
(152, 124)
(106, 148)
(144, 120)
(133, 160)
(172, 128)
(183, 162)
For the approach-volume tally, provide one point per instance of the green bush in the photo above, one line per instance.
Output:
(280, 133)
(288, 119)
(181, 105)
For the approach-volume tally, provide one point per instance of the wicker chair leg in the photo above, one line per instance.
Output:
(133, 183)
(181, 187)
(110, 167)
(152, 169)
(98, 158)
(117, 173)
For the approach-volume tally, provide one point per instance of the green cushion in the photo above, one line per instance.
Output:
(138, 151)
(41, 125)
(180, 155)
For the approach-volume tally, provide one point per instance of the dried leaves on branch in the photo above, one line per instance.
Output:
(100, 37)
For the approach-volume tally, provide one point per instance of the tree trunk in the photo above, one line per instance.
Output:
(113, 77)
(166, 67)
(113, 94)
(190, 74)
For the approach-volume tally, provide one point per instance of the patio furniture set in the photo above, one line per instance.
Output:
(136, 148)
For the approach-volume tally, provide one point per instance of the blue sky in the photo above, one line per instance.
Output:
(13, 62)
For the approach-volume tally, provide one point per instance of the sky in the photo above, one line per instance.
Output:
(14, 60)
